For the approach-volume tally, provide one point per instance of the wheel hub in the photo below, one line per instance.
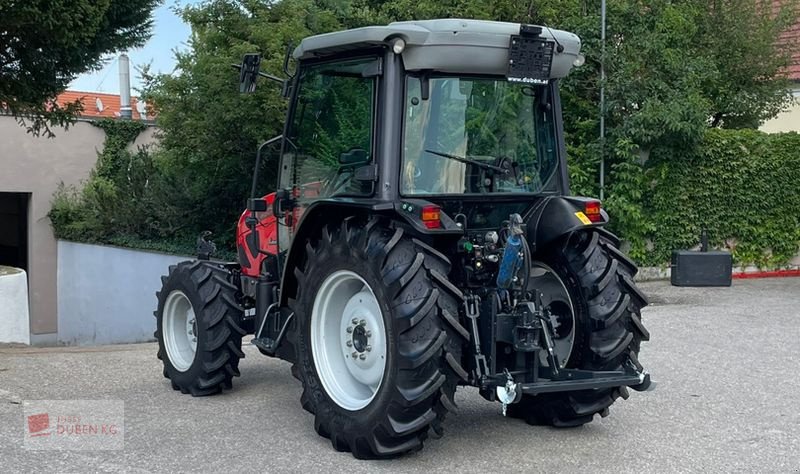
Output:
(360, 339)
(561, 319)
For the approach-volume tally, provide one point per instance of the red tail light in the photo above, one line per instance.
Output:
(592, 211)
(431, 216)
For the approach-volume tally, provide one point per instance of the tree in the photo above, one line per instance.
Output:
(674, 69)
(45, 44)
(209, 131)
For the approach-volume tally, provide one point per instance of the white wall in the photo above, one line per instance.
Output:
(786, 121)
(106, 295)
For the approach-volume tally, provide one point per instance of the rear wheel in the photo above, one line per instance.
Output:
(199, 328)
(596, 318)
(379, 341)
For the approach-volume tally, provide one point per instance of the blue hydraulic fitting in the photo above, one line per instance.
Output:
(512, 255)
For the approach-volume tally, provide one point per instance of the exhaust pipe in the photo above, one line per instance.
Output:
(125, 111)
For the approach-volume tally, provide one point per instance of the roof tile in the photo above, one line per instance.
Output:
(98, 104)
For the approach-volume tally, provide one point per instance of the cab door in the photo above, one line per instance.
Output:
(329, 136)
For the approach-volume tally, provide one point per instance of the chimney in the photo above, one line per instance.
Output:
(125, 111)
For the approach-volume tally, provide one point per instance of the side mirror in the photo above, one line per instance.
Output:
(283, 202)
(256, 205)
(353, 156)
(249, 72)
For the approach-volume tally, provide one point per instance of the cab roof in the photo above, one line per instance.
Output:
(446, 45)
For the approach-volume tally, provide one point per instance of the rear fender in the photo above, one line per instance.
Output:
(336, 210)
(312, 220)
(558, 216)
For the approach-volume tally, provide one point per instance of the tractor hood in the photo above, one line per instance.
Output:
(448, 45)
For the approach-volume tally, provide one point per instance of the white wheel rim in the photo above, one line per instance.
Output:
(179, 330)
(348, 340)
(556, 298)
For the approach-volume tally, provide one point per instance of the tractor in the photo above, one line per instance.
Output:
(421, 237)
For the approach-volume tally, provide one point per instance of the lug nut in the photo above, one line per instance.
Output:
(368, 334)
(354, 354)
(349, 329)
(362, 356)
(349, 343)
(362, 323)
(354, 321)
(368, 348)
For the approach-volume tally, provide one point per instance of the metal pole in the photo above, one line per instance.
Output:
(602, 99)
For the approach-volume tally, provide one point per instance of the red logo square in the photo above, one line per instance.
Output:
(38, 423)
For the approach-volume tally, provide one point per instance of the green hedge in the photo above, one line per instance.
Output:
(743, 186)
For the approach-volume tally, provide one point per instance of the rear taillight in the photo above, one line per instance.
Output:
(592, 210)
(431, 216)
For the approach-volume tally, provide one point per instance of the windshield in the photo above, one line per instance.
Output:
(476, 136)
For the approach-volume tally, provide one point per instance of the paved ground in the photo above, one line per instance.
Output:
(726, 360)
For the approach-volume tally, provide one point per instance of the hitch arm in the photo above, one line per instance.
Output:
(471, 304)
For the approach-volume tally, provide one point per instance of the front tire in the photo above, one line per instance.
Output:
(608, 326)
(199, 328)
(396, 285)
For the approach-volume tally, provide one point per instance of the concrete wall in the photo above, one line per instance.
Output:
(107, 294)
(787, 121)
(37, 165)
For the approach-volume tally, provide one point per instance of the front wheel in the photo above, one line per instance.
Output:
(198, 327)
(379, 341)
(596, 314)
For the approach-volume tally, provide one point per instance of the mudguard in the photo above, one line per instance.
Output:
(323, 211)
(556, 216)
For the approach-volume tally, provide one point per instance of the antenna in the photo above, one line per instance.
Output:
(559, 46)
(105, 76)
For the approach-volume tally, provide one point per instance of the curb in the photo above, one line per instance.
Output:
(664, 273)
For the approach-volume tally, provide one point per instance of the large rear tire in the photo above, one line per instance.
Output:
(608, 326)
(380, 402)
(199, 328)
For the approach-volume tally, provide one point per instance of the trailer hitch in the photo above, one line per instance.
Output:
(576, 379)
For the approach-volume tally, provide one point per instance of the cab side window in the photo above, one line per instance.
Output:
(331, 132)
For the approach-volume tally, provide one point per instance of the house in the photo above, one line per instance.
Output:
(789, 120)
(31, 170)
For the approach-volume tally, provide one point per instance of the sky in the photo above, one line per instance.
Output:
(169, 33)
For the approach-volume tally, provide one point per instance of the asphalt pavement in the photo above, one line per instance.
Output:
(726, 361)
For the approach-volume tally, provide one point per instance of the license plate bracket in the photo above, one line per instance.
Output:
(529, 59)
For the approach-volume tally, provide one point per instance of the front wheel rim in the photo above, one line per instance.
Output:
(348, 340)
(179, 330)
